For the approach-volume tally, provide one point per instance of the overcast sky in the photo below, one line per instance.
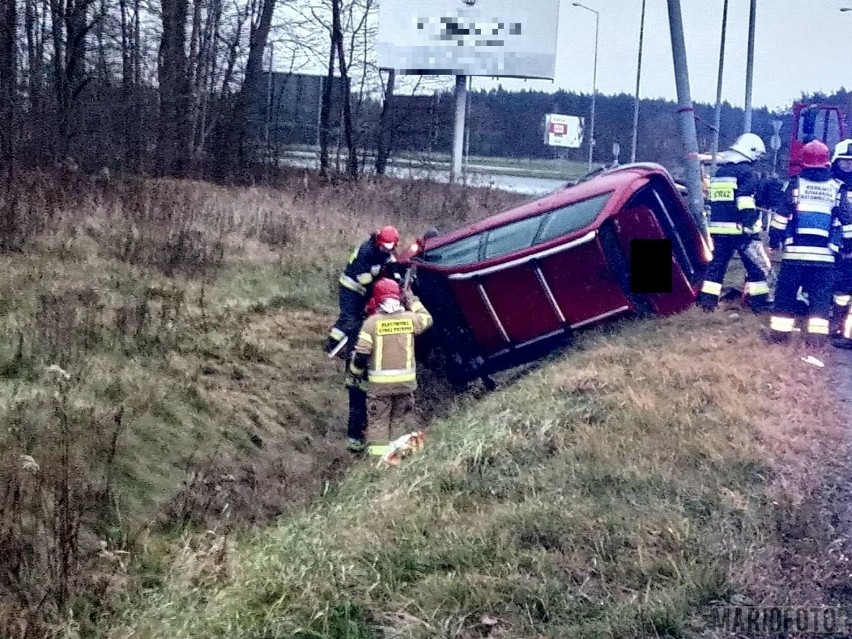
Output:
(800, 45)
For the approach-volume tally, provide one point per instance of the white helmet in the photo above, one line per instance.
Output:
(750, 146)
(843, 151)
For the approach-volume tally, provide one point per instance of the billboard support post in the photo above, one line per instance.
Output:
(458, 133)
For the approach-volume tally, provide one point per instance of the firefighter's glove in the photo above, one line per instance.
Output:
(357, 367)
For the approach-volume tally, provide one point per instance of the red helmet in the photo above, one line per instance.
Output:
(384, 289)
(815, 155)
(387, 237)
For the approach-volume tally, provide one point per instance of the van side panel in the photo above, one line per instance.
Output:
(487, 329)
(521, 302)
(583, 284)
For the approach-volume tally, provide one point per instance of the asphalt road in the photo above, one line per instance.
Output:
(481, 177)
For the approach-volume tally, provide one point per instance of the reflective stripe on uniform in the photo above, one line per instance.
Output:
(847, 231)
(812, 231)
(336, 334)
(365, 278)
(745, 202)
(377, 450)
(392, 376)
(356, 370)
(725, 228)
(782, 324)
(378, 349)
(352, 285)
(817, 326)
(364, 335)
(779, 222)
(711, 288)
(842, 300)
(757, 288)
(828, 259)
(808, 253)
(847, 327)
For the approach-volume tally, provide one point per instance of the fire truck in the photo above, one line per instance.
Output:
(814, 121)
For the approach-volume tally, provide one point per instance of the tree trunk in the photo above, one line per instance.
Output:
(337, 39)
(325, 111)
(383, 151)
(173, 139)
(247, 113)
(8, 78)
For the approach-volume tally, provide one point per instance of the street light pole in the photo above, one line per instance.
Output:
(717, 120)
(594, 82)
(749, 66)
(638, 77)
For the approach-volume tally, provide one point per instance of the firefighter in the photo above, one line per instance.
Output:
(384, 357)
(734, 223)
(841, 169)
(365, 265)
(810, 228)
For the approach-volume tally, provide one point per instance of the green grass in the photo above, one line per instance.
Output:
(619, 491)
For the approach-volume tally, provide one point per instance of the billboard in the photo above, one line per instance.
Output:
(563, 130)
(469, 37)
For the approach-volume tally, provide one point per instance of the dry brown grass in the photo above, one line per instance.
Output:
(197, 312)
(620, 491)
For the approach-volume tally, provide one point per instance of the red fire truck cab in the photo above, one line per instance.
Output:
(511, 287)
(823, 122)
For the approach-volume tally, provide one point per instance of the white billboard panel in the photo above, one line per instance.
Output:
(511, 38)
(563, 130)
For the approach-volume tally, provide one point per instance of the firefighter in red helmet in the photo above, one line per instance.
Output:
(384, 358)
(366, 264)
(809, 227)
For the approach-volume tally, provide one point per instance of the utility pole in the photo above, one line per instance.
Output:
(686, 117)
(638, 77)
(594, 82)
(717, 121)
(458, 133)
(749, 66)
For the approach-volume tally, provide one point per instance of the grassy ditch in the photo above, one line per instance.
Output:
(161, 367)
(621, 490)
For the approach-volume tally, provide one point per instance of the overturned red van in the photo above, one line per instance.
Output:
(511, 287)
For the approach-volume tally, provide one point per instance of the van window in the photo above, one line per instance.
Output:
(464, 251)
(519, 235)
(572, 217)
(512, 237)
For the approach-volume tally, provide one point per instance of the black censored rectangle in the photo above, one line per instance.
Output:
(650, 266)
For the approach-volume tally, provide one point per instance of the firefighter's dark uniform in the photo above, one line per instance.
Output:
(843, 265)
(734, 223)
(365, 266)
(810, 229)
(384, 356)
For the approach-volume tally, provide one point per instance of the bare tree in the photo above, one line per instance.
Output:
(69, 28)
(8, 81)
(174, 133)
